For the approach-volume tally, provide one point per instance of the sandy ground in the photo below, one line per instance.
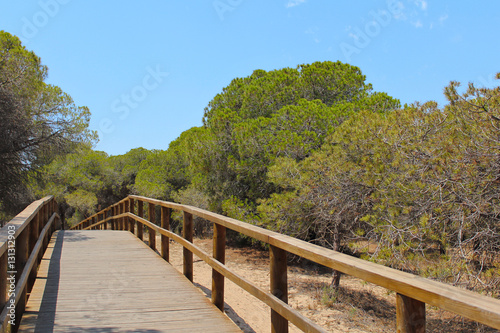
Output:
(358, 307)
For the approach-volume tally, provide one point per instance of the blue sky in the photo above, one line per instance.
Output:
(147, 69)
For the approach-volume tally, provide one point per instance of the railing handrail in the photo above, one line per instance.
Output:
(21, 220)
(22, 243)
(412, 291)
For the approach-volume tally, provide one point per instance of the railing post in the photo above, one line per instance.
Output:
(165, 224)
(92, 222)
(3, 280)
(410, 315)
(187, 233)
(279, 287)
(32, 242)
(40, 220)
(126, 219)
(122, 219)
(131, 220)
(151, 231)
(140, 213)
(112, 220)
(47, 214)
(105, 216)
(34, 231)
(116, 212)
(55, 209)
(108, 213)
(219, 253)
(22, 255)
(116, 221)
(41, 225)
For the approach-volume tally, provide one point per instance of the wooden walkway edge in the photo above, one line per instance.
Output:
(109, 281)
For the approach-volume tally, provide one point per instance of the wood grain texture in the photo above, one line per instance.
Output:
(151, 232)
(410, 315)
(117, 284)
(187, 256)
(279, 286)
(140, 212)
(165, 224)
(219, 253)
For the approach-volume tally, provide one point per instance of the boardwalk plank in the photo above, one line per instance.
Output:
(109, 281)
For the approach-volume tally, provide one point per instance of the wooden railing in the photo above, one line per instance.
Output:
(22, 243)
(412, 292)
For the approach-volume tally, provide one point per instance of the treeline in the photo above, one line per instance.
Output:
(38, 122)
(315, 153)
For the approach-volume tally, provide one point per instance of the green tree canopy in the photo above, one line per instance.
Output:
(281, 113)
(419, 183)
(39, 121)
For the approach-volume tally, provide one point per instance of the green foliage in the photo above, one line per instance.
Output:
(39, 121)
(263, 93)
(329, 296)
(163, 173)
(311, 152)
(151, 179)
(193, 197)
(85, 181)
(76, 180)
(418, 181)
(83, 201)
(282, 113)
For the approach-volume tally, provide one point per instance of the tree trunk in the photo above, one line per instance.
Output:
(336, 279)
(336, 247)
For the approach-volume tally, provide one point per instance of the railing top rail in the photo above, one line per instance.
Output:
(463, 302)
(21, 220)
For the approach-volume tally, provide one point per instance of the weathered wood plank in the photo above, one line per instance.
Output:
(278, 286)
(187, 256)
(117, 284)
(219, 252)
(151, 232)
(165, 224)
(410, 315)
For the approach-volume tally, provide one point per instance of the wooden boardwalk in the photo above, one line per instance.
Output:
(109, 281)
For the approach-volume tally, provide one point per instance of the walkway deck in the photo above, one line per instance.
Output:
(109, 281)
